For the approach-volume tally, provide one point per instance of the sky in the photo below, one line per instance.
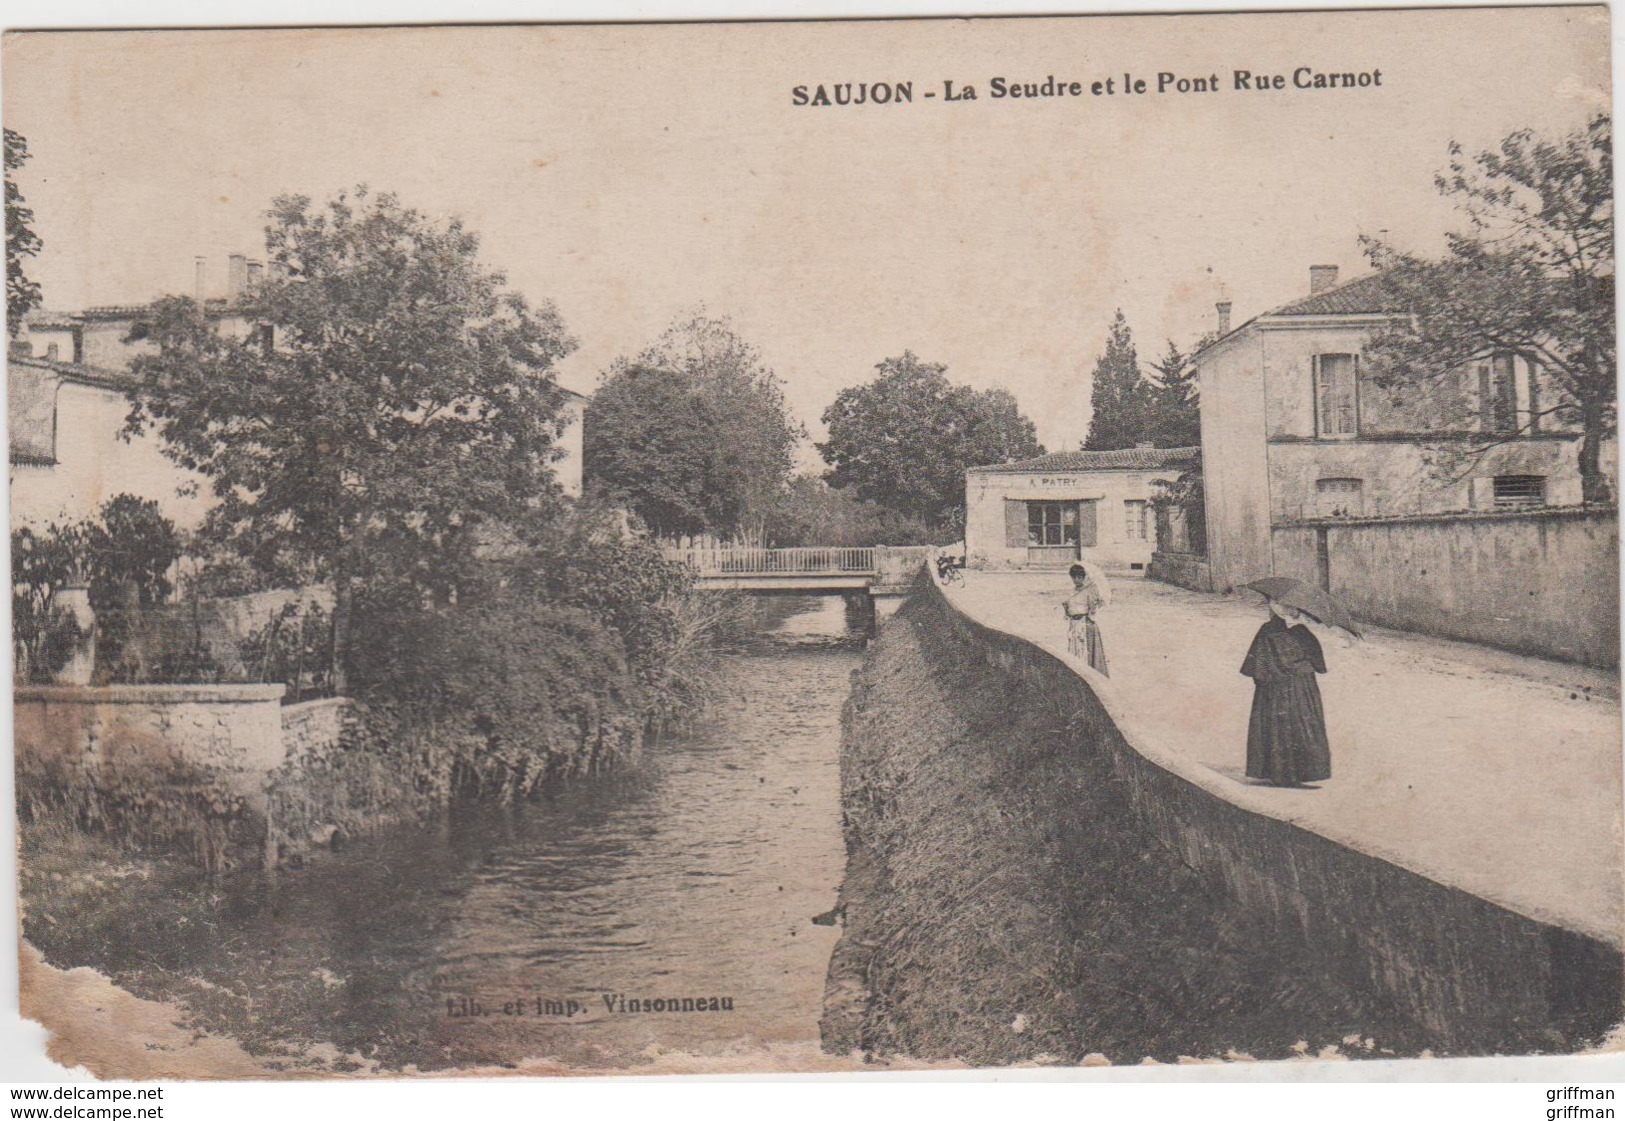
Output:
(635, 174)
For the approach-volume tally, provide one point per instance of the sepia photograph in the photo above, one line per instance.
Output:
(793, 547)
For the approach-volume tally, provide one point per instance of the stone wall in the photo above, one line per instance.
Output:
(317, 727)
(1543, 582)
(233, 732)
(1186, 570)
(1477, 977)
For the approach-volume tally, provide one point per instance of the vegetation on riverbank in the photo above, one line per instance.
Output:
(1002, 904)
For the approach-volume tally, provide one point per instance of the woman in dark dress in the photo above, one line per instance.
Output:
(1286, 738)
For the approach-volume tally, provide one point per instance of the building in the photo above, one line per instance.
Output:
(1294, 432)
(68, 381)
(68, 456)
(1039, 513)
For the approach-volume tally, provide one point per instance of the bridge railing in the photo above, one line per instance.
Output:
(804, 561)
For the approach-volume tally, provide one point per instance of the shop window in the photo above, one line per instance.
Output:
(1519, 492)
(1337, 396)
(1052, 523)
(1137, 519)
(1339, 498)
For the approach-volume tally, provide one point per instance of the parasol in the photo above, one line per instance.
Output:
(1317, 603)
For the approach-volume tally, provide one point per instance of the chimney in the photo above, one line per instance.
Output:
(1224, 316)
(256, 269)
(236, 277)
(200, 272)
(19, 348)
(1321, 277)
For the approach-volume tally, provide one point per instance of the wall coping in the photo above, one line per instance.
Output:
(1138, 740)
(1542, 513)
(148, 694)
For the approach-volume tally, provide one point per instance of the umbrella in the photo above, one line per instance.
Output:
(1317, 603)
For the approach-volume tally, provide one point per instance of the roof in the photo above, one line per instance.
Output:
(1119, 459)
(76, 372)
(1370, 294)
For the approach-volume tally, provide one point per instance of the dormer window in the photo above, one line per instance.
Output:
(1337, 396)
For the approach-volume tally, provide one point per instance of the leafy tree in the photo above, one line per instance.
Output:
(1176, 411)
(812, 512)
(1532, 274)
(22, 294)
(1122, 400)
(905, 439)
(396, 400)
(693, 434)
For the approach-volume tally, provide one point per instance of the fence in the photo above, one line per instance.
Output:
(806, 561)
(1540, 582)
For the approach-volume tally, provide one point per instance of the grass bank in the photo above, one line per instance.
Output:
(1003, 905)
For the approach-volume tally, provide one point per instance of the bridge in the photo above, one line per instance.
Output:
(881, 570)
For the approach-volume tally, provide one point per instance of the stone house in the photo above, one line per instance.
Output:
(1041, 513)
(1295, 432)
(68, 382)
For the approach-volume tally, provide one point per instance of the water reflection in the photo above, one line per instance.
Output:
(532, 932)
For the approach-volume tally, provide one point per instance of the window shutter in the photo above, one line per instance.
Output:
(1086, 524)
(1015, 524)
(1534, 395)
(1353, 370)
(1486, 400)
(1323, 399)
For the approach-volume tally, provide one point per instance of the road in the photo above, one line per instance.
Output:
(1494, 773)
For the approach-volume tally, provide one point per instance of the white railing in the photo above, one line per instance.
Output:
(807, 561)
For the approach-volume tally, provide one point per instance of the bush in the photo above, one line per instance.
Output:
(524, 691)
(587, 560)
(811, 512)
(123, 555)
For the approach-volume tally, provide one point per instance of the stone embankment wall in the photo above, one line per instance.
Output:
(316, 727)
(232, 731)
(1144, 899)
(222, 770)
(1543, 582)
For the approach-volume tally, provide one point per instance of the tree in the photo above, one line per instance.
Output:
(1176, 412)
(1531, 274)
(905, 439)
(693, 434)
(811, 512)
(22, 294)
(396, 399)
(1120, 397)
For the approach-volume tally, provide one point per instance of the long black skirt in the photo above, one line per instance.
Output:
(1286, 738)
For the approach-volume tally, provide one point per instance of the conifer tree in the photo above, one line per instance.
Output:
(1120, 396)
(1177, 415)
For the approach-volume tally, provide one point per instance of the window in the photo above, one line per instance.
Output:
(1339, 498)
(1498, 394)
(1136, 519)
(1337, 396)
(1052, 523)
(1519, 492)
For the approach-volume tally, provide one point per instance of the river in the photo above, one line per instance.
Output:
(693, 875)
